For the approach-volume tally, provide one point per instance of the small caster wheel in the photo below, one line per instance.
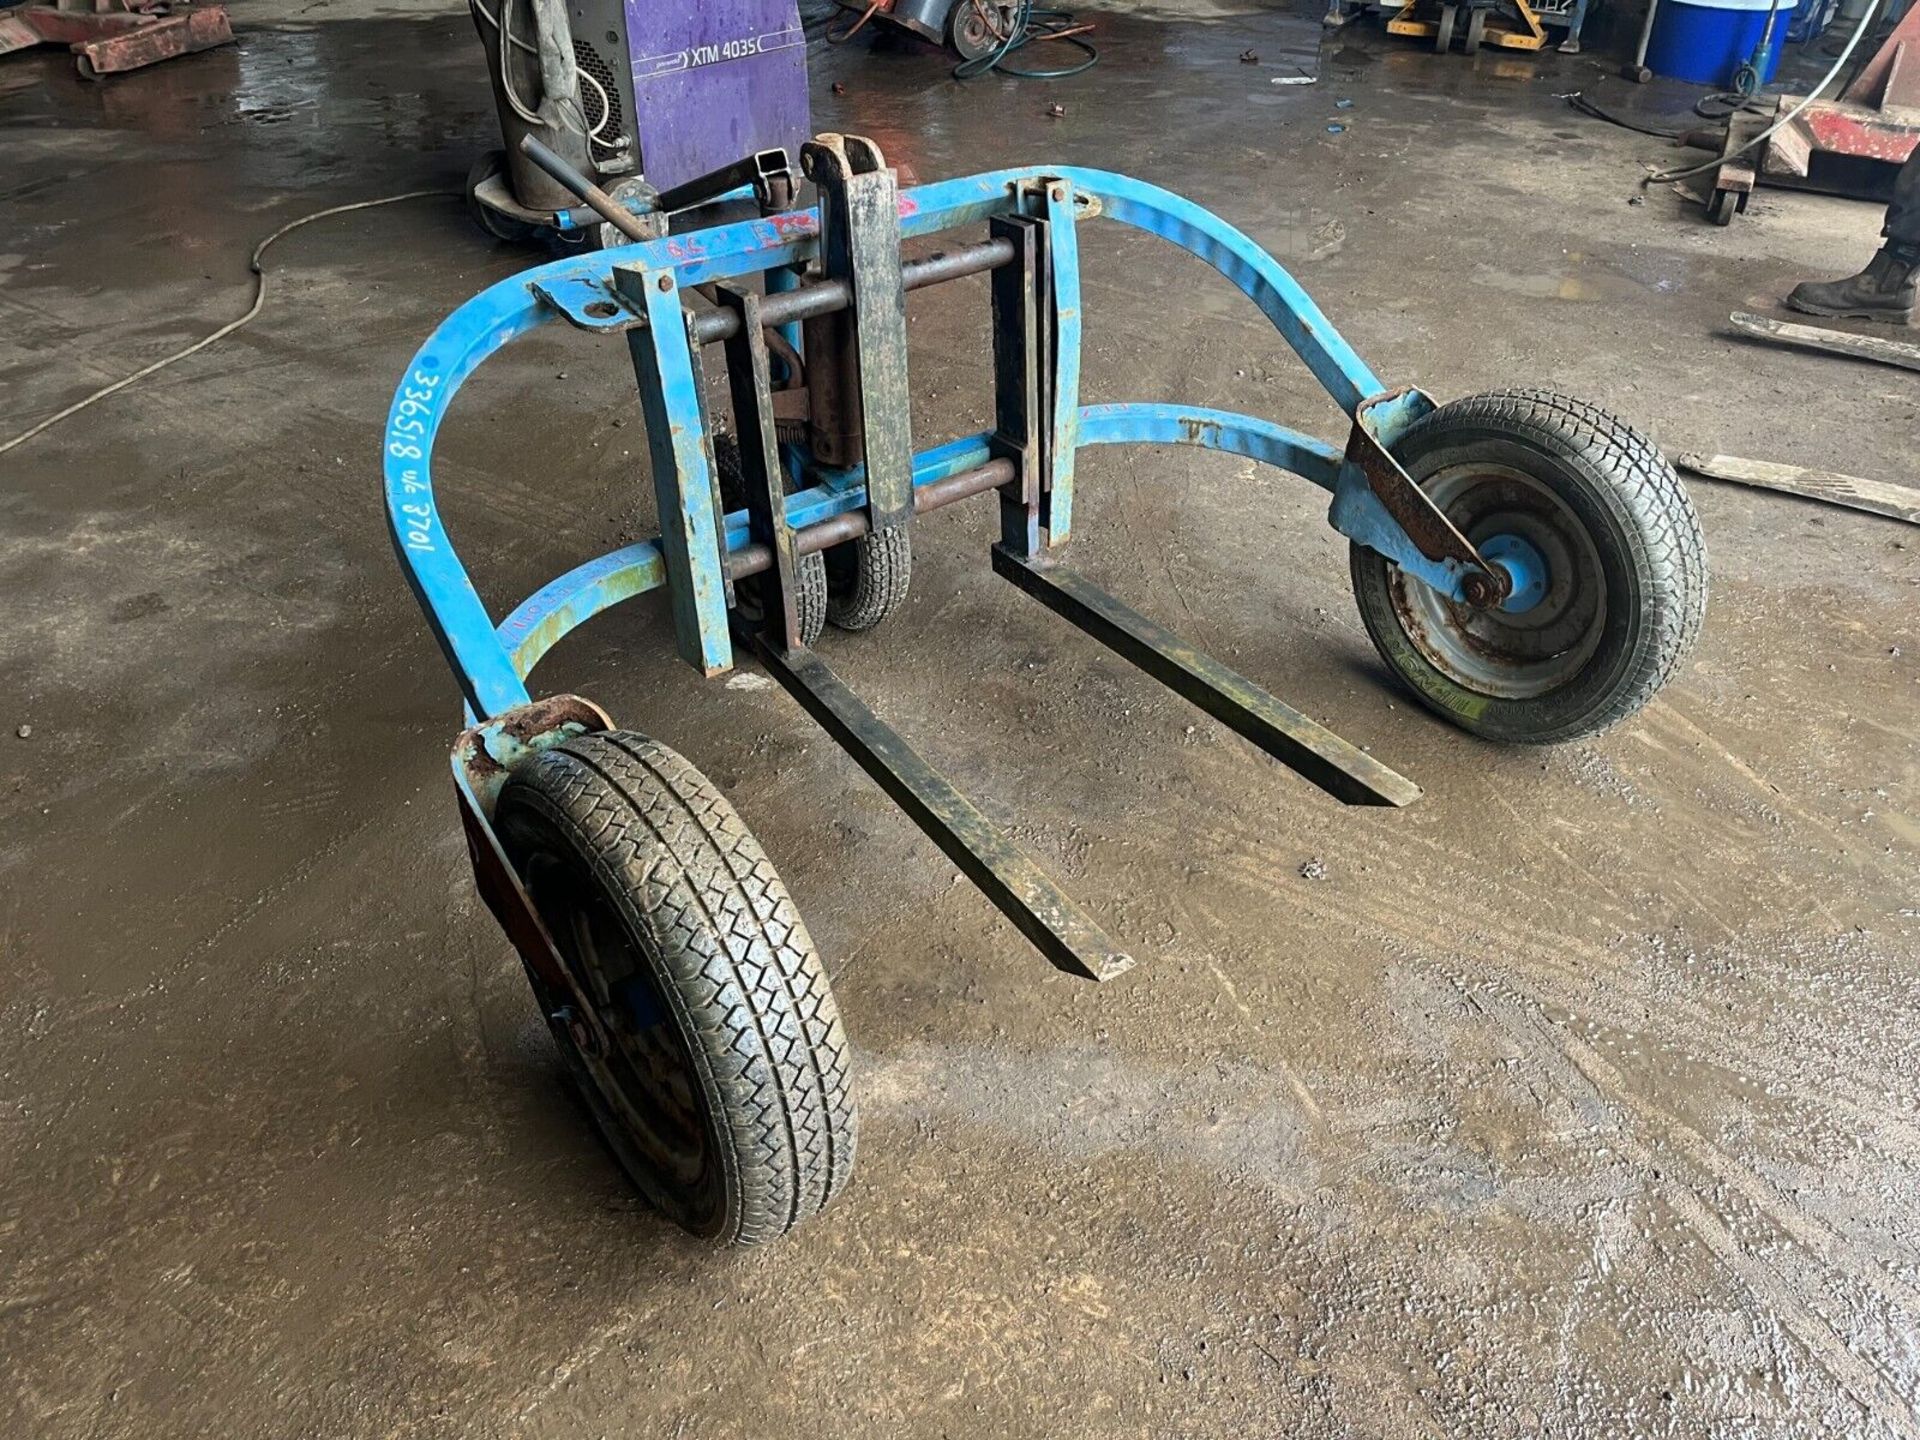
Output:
(85, 68)
(1476, 31)
(1638, 74)
(723, 1093)
(1443, 30)
(1724, 205)
(810, 577)
(867, 579)
(1604, 550)
(502, 227)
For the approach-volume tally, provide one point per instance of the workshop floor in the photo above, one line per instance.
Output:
(1578, 1099)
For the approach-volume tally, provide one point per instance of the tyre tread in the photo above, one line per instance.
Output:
(882, 572)
(741, 971)
(1632, 469)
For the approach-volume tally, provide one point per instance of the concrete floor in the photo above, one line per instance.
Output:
(1576, 1100)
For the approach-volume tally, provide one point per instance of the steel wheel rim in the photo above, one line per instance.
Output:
(974, 34)
(1501, 654)
(646, 1080)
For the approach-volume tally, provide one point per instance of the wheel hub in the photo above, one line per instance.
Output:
(1525, 567)
(642, 1073)
(1547, 625)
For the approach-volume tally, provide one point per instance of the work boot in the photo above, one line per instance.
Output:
(1882, 291)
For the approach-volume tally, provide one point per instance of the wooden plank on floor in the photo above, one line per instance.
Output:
(1876, 497)
(1834, 342)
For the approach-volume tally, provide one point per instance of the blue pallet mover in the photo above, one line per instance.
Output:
(1526, 563)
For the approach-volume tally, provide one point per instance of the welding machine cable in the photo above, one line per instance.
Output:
(560, 89)
(259, 300)
(514, 102)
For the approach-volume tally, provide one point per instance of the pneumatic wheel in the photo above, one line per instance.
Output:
(867, 579)
(1443, 29)
(810, 572)
(723, 1093)
(1603, 548)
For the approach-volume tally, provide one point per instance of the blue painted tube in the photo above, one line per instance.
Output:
(539, 622)
(454, 612)
(562, 605)
(490, 665)
(1261, 440)
(728, 251)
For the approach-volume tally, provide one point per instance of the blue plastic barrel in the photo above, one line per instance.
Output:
(1705, 41)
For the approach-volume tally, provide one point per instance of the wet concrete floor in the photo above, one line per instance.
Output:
(1578, 1099)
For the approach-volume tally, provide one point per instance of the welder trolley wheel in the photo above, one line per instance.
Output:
(1526, 563)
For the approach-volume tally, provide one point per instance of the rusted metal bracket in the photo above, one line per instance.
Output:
(483, 757)
(860, 246)
(750, 384)
(1376, 503)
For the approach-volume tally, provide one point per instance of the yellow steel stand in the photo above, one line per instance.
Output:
(1423, 19)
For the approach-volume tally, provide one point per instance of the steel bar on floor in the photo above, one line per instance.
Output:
(1342, 770)
(1005, 873)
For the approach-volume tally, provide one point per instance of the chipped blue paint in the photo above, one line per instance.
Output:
(675, 414)
(1528, 574)
(543, 618)
(1262, 440)
(1063, 253)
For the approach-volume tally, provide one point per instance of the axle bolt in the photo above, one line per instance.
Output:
(1480, 590)
(578, 1031)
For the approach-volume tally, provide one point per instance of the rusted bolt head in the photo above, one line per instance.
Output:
(666, 282)
(1479, 590)
(1057, 195)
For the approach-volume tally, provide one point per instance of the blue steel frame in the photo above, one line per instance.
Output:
(615, 289)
